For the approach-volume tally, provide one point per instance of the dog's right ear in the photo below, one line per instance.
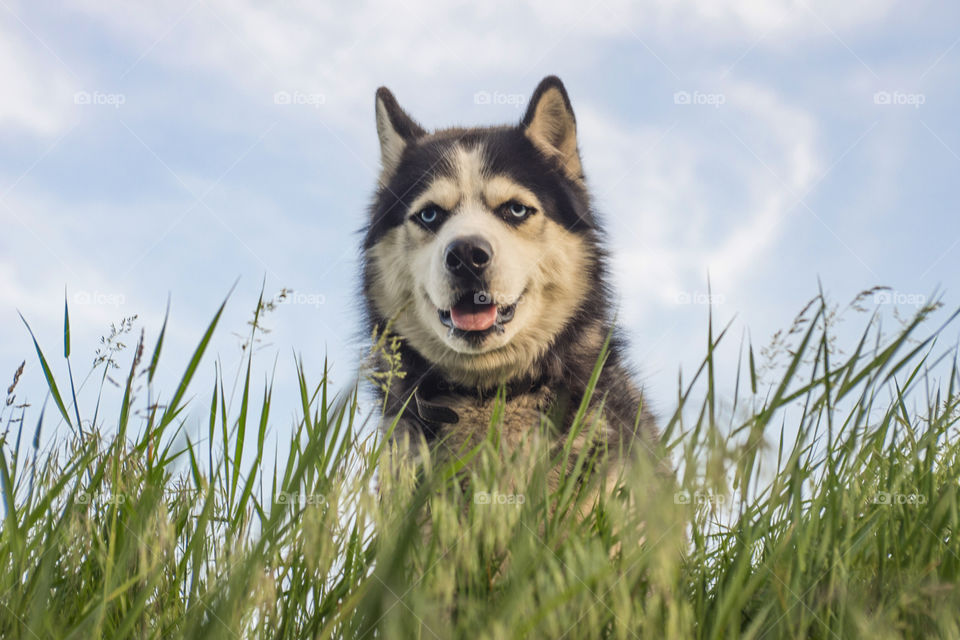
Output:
(549, 123)
(395, 129)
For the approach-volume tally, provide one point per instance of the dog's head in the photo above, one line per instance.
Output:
(481, 244)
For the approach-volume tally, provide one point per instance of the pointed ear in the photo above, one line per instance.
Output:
(395, 129)
(549, 124)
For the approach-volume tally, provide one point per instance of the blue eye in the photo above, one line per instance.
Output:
(429, 215)
(518, 210)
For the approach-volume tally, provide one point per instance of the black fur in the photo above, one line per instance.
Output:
(507, 151)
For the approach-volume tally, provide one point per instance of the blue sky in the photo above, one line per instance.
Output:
(174, 148)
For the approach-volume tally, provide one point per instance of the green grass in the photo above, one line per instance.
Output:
(819, 500)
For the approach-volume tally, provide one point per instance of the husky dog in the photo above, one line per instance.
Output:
(484, 256)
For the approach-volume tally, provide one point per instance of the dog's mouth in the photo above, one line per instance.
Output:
(476, 315)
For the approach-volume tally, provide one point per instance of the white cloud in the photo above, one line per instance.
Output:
(343, 51)
(37, 90)
(780, 18)
(676, 235)
(680, 201)
(683, 201)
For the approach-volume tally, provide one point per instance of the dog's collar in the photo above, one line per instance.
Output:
(434, 412)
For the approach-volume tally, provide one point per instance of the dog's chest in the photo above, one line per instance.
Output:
(515, 418)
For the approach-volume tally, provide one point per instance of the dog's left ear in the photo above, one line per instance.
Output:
(549, 124)
(395, 129)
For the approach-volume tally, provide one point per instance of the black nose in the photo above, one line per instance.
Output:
(468, 256)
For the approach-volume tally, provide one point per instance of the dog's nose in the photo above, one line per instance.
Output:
(468, 256)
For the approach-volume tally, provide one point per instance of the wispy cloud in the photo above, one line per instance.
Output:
(736, 138)
(37, 89)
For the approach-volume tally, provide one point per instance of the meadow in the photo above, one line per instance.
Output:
(819, 499)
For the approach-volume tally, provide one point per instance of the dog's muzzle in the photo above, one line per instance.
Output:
(476, 315)
(467, 258)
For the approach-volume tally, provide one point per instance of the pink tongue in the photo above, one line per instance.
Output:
(473, 317)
